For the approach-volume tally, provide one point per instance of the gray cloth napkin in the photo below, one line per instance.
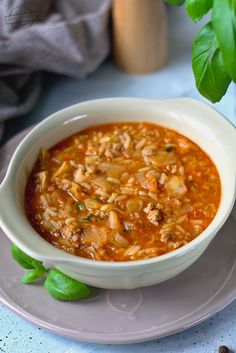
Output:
(63, 36)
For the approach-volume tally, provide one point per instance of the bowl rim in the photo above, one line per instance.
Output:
(60, 256)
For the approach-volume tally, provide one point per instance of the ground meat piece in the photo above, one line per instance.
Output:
(155, 213)
(101, 214)
(68, 230)
(128, 226)
(149, 207)
(91, 170)
(154, 217)
(166, 237)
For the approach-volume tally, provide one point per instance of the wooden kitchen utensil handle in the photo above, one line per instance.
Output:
(139, 35)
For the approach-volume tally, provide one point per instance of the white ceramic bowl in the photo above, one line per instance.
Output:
(190, 117)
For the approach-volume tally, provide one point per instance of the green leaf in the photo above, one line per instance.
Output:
(198, 8)
(175, 2)
(25, 260)
(62, 287)
(80, 206)
(88, 217)
(32, 276)
(210, 74)
(224, 24)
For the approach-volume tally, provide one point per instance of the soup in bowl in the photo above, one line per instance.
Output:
(121, 193)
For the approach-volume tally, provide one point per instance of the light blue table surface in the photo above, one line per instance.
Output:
(176, 79)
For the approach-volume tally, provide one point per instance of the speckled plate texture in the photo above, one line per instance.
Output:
(126, 316)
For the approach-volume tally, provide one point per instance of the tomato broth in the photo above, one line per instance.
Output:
(122, 191)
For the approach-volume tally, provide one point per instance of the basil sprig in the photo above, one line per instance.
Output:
(224, 24)
(62, 287)
(58, 285)
(211, 76)
(214, 49)
(25, 260)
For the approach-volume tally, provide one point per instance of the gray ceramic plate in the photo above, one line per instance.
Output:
(119, 316)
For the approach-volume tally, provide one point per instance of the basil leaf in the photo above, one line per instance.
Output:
(210, 74)
(224, 24)
(38, 265)
(62, 287)
(25, 260)
(32, 276)
(198, 8)
(175, 2)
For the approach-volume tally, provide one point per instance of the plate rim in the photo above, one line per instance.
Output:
(120, 338)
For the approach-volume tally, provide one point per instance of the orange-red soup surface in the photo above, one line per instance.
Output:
(122, 191)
